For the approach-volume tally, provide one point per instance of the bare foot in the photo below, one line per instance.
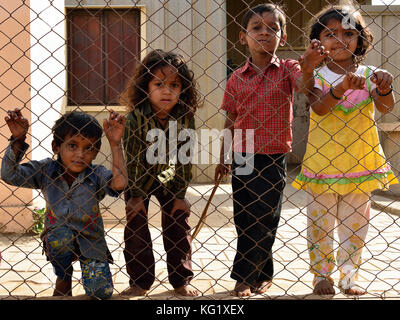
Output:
(134, 291)
(354, 291)
(187, 291)
(324, 287)
(63, 288)
(263, 286)
(241, 290)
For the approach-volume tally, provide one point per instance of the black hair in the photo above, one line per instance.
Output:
(266, 7)
(338, 12)
(76, 122)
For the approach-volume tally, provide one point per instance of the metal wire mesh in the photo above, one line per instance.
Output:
(58, 56)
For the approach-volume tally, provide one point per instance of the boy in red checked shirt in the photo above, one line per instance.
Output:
(259, 97)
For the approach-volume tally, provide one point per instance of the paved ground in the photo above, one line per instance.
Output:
(24, 273)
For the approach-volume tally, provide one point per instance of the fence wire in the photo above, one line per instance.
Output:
(59, 56)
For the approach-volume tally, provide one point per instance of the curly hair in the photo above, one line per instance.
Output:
(338, 12)
(136, 93)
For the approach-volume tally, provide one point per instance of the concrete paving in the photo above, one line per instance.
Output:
(25, 273)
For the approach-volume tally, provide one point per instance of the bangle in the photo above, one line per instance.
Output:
(385, 94)
(333, 95)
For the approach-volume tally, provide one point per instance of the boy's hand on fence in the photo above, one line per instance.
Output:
(221, 171)
(17, 124)
(182, 205)
(352, 81)
(383, 81)
(133, 207)
(313, 56)
(114, 127)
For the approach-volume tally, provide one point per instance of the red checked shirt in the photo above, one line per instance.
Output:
(264, 103)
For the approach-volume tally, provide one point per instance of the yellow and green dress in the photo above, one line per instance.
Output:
(343, 152)
(343, 163)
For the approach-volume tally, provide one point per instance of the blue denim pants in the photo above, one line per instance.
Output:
(62, 251)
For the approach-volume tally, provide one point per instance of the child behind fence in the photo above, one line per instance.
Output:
(161, 96)
(344, 161)
(72, 188)
(259, 97)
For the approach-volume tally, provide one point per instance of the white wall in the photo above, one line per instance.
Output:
(48, 75)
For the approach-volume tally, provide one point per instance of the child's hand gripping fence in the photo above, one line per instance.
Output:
(59, 56)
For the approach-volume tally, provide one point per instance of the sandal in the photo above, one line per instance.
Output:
(348, 285)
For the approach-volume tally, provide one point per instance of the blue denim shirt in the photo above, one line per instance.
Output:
(76, 207)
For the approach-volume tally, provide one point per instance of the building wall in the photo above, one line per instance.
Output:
(15, 215)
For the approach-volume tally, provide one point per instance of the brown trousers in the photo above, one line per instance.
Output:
(138, 251)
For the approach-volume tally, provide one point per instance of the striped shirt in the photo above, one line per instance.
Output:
(141, 173)
(264, 102)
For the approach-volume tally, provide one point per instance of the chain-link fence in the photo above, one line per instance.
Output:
(58, 56)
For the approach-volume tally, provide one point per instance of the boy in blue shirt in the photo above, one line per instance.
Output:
(72, 188)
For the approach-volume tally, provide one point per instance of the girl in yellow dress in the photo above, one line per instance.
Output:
(344, 161)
